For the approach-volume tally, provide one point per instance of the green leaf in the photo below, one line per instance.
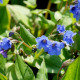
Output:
(76, 44)
(66, 20)
(56, 1)
(52, 16)
(4, 19)
(2, 62)
(44, 23)
(38, 11)
(55, 77)
(23, 71)
(20, 2)
(26, 35)
(53, 63)
(30, 3)
(4, 2)
(2, 77)
(73, 71)
(12, 74)
(21, 14)
(65, 54)
(57, 15)
(65, 0)
(42, 73)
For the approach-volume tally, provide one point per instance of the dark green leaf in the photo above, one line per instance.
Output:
(42, 73)
(53, 63)
(76, 45)
(26, 35)
(23, 71)
(20, 2)
(4, 19)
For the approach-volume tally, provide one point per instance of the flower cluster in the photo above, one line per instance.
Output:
(68, 35)
(54, 48)
(75, 9)
(5, 45)
(1, 1)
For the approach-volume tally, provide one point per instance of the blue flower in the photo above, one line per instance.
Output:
(79, 3)
(60, 29)
(1, 1)
(68, 37)
(4, 53)
(43, 42)
(55, 48)
(75, 9)
(6, 44)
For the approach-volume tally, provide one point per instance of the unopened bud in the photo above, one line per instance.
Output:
(67, 62)
(11, 34)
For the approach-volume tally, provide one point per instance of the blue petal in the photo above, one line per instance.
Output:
(4, 53)
(60, 29)
(1, 1)
(79, 3)
(6, 44)
(40, 44)
(38, 39)
(0, 46)
(58, 53)
(62, 45)
(44, 37)
(6, 40)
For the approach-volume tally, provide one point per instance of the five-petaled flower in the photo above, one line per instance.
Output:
(43, 42)
(5, 45)
(60, 29)
(68, 37)
(55, 48)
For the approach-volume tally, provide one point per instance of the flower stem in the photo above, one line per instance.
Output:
(58, 73)
(25, 44)
(48, 7)
(37, 55)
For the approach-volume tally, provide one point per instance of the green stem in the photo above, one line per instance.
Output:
(37, 55)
